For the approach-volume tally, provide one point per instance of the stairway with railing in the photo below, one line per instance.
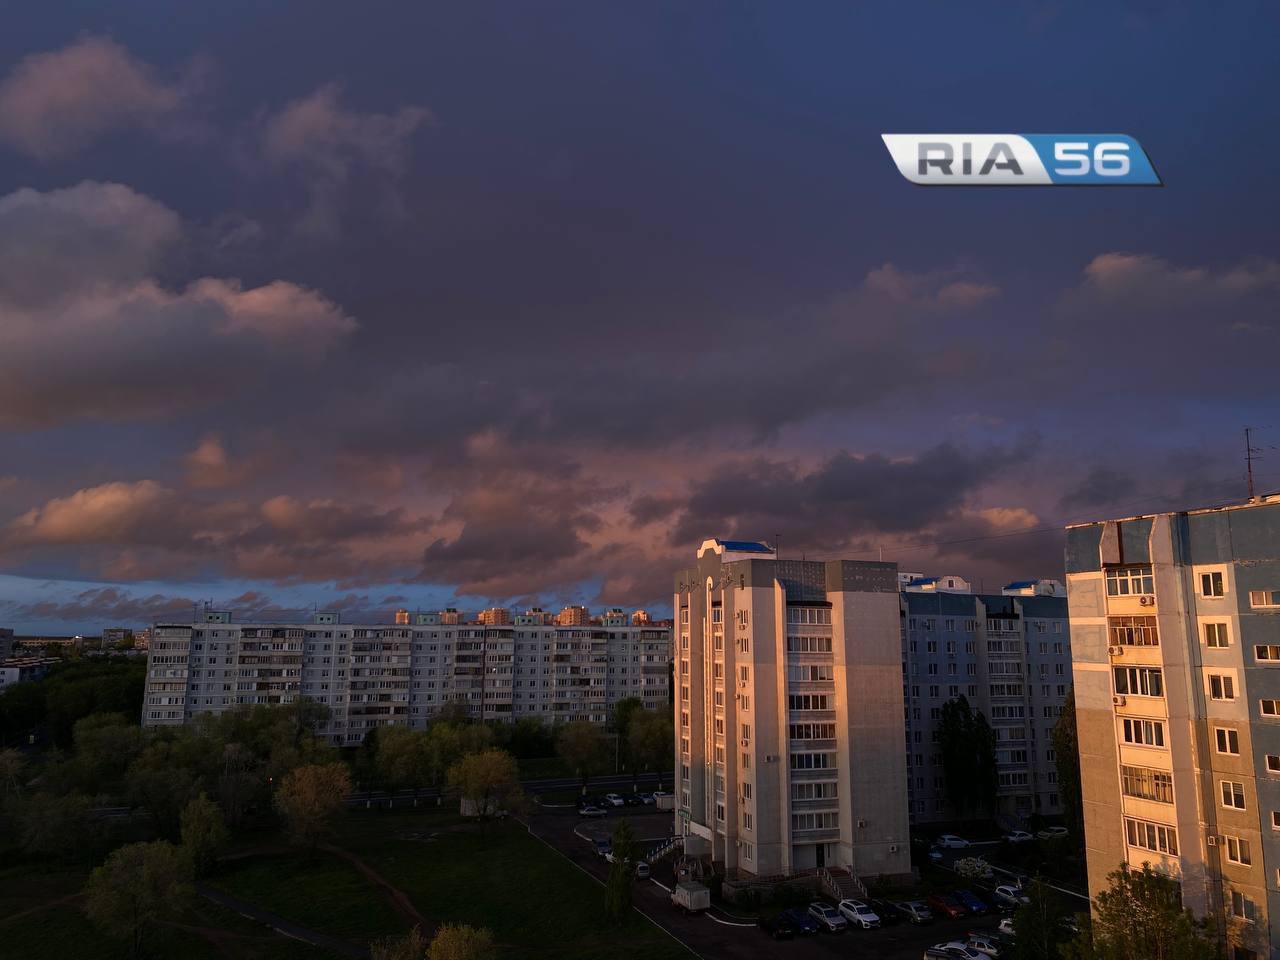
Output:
(842, 884)
(667, 847)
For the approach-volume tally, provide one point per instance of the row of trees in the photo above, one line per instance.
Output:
(71, 691)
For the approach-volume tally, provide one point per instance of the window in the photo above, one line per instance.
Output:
(1148, 733)
(1273, 763)
(746, 821)
(1129, 581)
(1232, 794)
(1228, 740)
(1147, 784)
(1242, 907)
(807, 673)
(812, 761)
(1211, 584)
(809, 701)
(1269, 708)
(1215, 635)
(1130, 632)
(808, 644)
(1139, 681)
(1264, 598)
(1238, 851)
(1151, 836)
(1221, 687)
(1266, 652)
(1275, 819)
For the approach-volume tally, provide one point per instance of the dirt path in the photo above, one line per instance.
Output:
(41, 906)
(399, 899)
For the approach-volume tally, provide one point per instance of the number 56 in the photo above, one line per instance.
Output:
(1110, 159)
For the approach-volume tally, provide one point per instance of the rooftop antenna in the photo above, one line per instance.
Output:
(1250, 453)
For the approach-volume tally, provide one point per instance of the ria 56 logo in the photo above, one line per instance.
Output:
(1018, 159)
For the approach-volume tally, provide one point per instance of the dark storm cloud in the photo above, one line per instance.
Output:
(844, 498)
(1102, 485)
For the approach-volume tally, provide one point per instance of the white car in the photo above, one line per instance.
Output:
(1018, 836)
(1010, 896)
(859, 914)
(828, 917)
(642, 871)
(950, 841)
(952, 949)
(614, 799)
(985, 944)
(590, 811)
(1052, 833)
(1006, 927)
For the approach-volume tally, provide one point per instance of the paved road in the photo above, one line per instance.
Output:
(281, 925)
(717, 935)
(619, 782)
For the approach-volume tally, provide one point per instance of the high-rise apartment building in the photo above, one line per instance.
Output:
(1009, 655)
(788, 713)
(1175, 626)
(374, 675)
(6, 643)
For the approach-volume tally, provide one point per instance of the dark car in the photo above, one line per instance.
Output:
(888, 913)
(800, 919)
(632, 799)
(970, 901)
(915, 911)
(945, 905)
(779, 927)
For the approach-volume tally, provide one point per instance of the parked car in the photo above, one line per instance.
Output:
(935, 854)
(801, 920)
(1018, 836)
(645, 798)
(859, 914)
(916, 911)
(971, 901)
(614, 799)
(591, 811)
(642, 871)
(887, 911)
(1006, 927)
(1052, 833)
(828, 917)
(779, 927)
(987, 944)
(661, 793)
(1010, 897)
(949, 841)
(945, 905)
(951, 950)
(604, 848)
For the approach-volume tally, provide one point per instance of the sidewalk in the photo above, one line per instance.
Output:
(281, 925)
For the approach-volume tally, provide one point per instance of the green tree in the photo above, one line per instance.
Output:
(204, 833)
(12, 774)
(404, 759)
(139, 885)
(967, 744)
(411, 946)
(165, 778)
(105, 745)
(582, 747)
(651, 742)
(59, 826)
(447, 742)
(617, 890)
(311, 798)
(488, 783)
(1041, 925)
(620, 723)
(461, 942)
(1140, 914)
(240, 779)
(1066, 754)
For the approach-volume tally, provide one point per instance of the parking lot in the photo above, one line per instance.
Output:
(718, 935)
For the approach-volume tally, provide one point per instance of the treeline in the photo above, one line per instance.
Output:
(71, 691)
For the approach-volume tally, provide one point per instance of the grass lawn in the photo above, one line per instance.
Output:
(320, 892)
(538, 905)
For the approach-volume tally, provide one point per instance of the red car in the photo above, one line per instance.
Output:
(945, 905)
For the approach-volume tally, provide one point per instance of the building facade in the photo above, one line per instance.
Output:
(6, 643)
(373, 675)
(788, 713)
(1009, 655)
(1175, 622)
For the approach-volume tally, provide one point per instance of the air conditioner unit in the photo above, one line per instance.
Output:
(1115, 651)
(893, 848)
(1118, 700)
(1211, 840)
(1146, 601)
(745, 742)
(862, 823)
(771, 758)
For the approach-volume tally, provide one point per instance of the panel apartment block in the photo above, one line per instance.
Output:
(1175, 622)
(402, 673)
(789, 711)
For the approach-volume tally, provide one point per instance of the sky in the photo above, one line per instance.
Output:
(366, 306)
